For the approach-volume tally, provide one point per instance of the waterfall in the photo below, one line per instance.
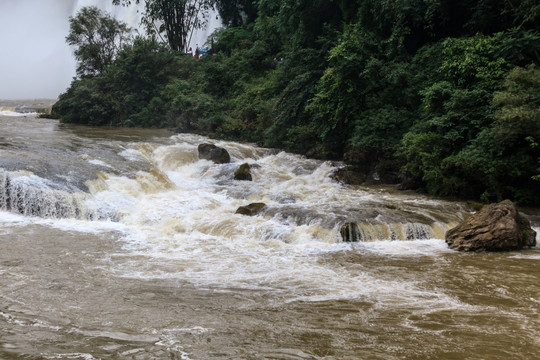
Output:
(33, 196)
(168, 190)
(353, 232)
(131, 15)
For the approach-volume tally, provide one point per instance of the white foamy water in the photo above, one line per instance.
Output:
(11, 112)
(123, 244)
(178, 221)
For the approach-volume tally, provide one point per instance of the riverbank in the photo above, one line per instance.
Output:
(348, 173)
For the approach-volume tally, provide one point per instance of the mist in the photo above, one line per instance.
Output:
(35, 61)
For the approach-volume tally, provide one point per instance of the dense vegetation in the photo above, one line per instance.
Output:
(441, 95)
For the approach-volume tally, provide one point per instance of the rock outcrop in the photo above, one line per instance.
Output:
(213, 153)
(243, 173)
(349, 175)
(251, 209)
(496, 227)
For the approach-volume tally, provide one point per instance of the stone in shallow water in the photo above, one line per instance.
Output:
(251, 209)
(243, 173)
(349, 175)
(212, 152)
(496, 227)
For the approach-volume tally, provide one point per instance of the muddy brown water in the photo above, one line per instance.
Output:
(168, 271)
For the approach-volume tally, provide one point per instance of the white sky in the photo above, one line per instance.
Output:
(35, 61)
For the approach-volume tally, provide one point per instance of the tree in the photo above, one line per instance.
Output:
(131, 92)
(174, 21)
(237, 12)
(98, 38)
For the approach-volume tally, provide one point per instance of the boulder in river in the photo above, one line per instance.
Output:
(251, 209)
(243, 173)
(349, 175)
(496, 227)
(212, 152)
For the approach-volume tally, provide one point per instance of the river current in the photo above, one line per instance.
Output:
(122, 244)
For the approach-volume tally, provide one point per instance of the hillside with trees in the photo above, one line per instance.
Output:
(441, 96)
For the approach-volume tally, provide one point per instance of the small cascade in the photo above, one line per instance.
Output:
(356, 232)
(350, 232)
(19, 195)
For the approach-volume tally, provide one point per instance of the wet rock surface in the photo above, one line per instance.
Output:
(251, 209)
(243, 173)
(213, 153)
(349, 175)
(496, 227)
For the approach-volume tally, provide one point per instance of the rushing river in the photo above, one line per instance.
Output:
(122, 244)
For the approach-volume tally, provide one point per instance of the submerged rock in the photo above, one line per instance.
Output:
(251, 209)
(496, 227)
(243, 173)
(212, 152)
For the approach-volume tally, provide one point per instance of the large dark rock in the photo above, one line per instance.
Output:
(251, 209)
(496, 227)
(212, 152)
(243, 173)
(349, 175)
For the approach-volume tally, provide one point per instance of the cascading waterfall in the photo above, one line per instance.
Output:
(357, 232)
(32, 196)
(131, 14)
(300, 195)
(179, 274)
(36, 62)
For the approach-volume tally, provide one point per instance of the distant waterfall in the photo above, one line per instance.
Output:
(131, 15)
(36, 62)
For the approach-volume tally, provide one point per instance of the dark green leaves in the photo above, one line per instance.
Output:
(97, 38)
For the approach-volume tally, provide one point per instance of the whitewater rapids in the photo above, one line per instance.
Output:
(122, 243)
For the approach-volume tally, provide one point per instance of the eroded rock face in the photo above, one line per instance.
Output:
(243, 173)
(496, 227)
(213, 153)
(349, 175)
(251, 209)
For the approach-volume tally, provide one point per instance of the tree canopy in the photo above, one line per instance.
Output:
(173, 20)
(97, 38)
(439, 95)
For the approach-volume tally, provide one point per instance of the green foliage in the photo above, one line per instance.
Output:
(97, 38)
(173, 20)
(85, 102)
(292, 127)
(471, 139)
(441, 91)
(120, 95)
(237, 12)
(518, 114)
